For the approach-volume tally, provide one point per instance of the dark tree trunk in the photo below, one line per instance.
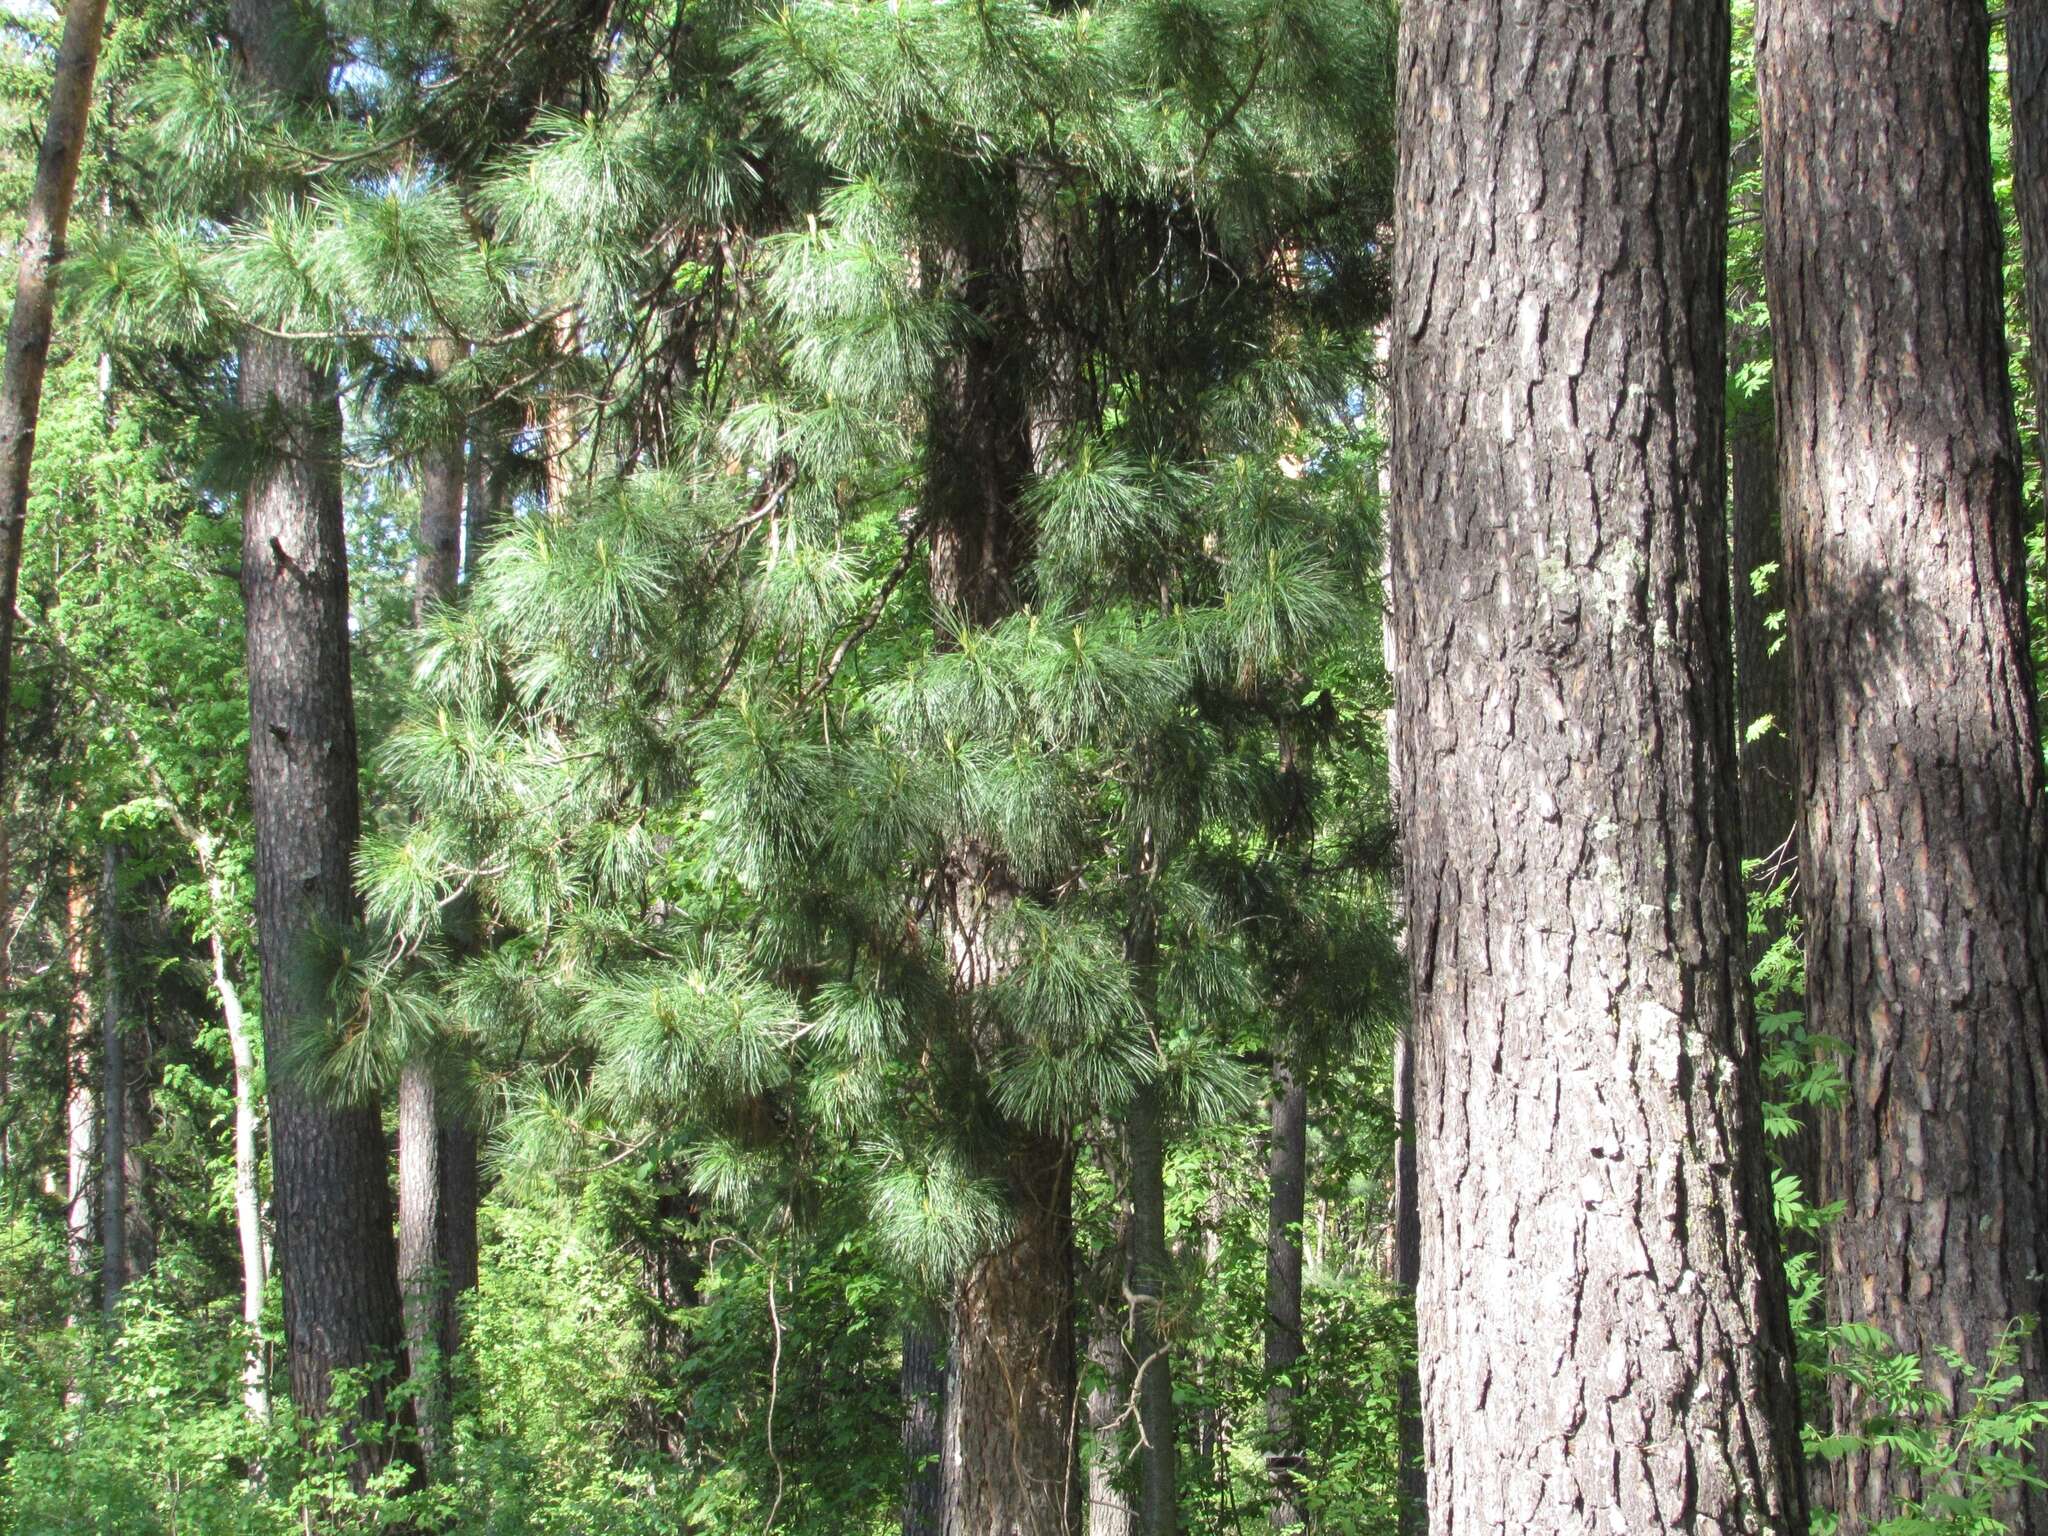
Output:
(2026, 58)
(28, 326)
(1921, 831)
(1014, 1382)
(1602, 1318)
(332, 1197)
(1011, 1470)
(427, 1186)
(1286, 1193)
(923, 1384)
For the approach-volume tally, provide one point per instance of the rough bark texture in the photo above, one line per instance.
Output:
(923, 1384)
(28, 325)
(1286, 1190)
(1921, 831)
(2026, 56)
(1602, 1321)
(332, 1197)
(1013, 1471)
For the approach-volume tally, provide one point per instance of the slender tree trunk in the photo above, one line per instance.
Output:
(113, 1094)
(332, 1195)
(1603, 1328)
(248, 1205)
(1921, 831)
(426, 1216)
(1151, 1357)
(1110, 1510)
(2026, 73)
(81, 1112)
(1286, 1190)
(924, 1415)
(28, 326)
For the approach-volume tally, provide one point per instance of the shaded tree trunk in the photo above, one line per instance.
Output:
(28, 325)
(1603, 1328)
(1012, 1470)
(1921, 822)
(1411, 1483)
(332, 1195)
(1010, 1456)
(1286, 1190)
(923, 1385)
(2026, 73)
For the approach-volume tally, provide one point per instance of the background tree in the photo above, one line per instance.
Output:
(1918, 737)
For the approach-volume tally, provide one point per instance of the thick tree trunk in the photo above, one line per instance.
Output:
(426, 1213)
(2026, 58)
(28, 325)
(1012, 1413)
(1921, 832)
(923, 1384)
(1013, 1472)
(1603, 1329)
(332, 1195)
(1286, 1191)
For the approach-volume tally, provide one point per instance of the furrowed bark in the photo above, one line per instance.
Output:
(2026, 73)
(332, 1196)
(1921, 819)
(1603, 1330)
(28, 327)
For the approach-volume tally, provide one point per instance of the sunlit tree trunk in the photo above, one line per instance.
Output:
(1603, 1330)
(1922, 836)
